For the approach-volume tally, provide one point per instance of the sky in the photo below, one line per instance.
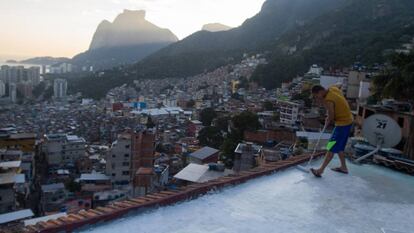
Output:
(65, 27)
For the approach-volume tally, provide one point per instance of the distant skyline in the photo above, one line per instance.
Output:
(64, 28)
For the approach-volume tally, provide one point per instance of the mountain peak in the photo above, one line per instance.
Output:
(130, 28)
(130, 16)
(215, 27)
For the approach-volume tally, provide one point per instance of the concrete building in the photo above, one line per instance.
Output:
(354, 81)
(204, 155)
(143, 149)
(315, 70)
(289, 112)
(60, 87)
(94, 182)
(364, 90)
(329, 80)
(2, 88)
(61, 68)
(33, 75)
(118, 160)
(245, 156)
(25, 88)
(13, 92)
(63, 149)
(53, 196)
(7, 194)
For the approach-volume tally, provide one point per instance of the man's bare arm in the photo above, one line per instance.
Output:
(330, 109)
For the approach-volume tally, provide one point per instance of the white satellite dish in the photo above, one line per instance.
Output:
(381, 131)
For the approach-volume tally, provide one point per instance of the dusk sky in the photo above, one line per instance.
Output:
(65, 27)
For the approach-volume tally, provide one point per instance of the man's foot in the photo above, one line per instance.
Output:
(316, 173)
(340, 170)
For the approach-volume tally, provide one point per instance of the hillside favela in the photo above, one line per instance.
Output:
(225, 116)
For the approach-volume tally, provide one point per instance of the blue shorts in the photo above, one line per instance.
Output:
(339, 138)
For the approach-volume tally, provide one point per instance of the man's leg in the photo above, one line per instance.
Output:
(343, 161)
(328, 157)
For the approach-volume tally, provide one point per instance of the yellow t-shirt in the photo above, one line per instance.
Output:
(343, 115)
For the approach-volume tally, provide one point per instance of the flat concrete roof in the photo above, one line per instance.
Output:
(369, 199)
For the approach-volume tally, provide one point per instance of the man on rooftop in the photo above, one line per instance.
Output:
(339, 112)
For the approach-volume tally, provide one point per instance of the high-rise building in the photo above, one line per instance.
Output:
(25, 88)
(13, 92)
(17, 74)
(118, 160)
(60, 87)
(143, 151)
(2, 88)
(33, 75)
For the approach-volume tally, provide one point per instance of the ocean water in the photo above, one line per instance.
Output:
(371, 199)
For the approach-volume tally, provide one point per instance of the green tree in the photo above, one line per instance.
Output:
(397, 80)
(305, 96)
(268, 106)
(150, 123)
(245, 121)
(222, 123)
(210, 136)
(73, 186)
(207, 116)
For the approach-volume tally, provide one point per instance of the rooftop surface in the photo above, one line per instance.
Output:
(370, 199)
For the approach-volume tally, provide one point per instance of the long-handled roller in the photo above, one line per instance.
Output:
(306, 168)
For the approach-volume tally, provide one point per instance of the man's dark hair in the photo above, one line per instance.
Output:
(317, 89)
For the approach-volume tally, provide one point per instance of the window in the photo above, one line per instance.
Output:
(113, 174)
(127, 146)
(125, 173)
(125, 164)
(126, 155)
(113, 156)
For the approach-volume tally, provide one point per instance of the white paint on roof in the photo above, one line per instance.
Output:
(16, 215)
(370, 199)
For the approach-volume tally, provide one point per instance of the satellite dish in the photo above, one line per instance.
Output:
(381, 131)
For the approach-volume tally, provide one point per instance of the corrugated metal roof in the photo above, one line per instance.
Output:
(10, 164)
(312, 135)
(94, 176)
(14, 216)
(200, 173)
(204, 153)
(52, 187)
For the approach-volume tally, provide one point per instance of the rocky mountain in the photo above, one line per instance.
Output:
(293, 33)
(129, 38)
(361, 31)
(215, 27)
(207, 50)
